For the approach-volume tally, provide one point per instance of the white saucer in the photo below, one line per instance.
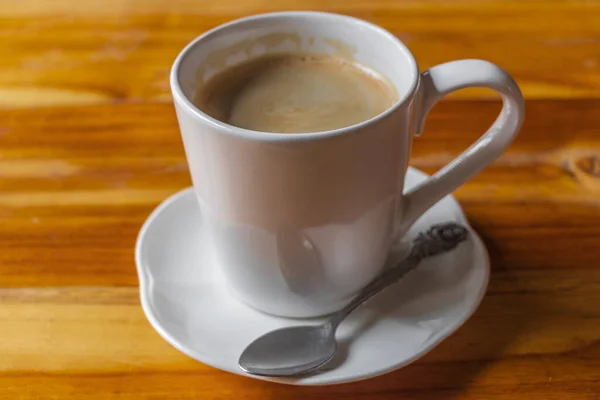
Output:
(185, 299)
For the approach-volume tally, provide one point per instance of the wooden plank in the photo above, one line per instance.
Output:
(70, 213)
(95, 342)
(121, 51)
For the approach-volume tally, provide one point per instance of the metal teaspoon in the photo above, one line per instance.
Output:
(302, 349)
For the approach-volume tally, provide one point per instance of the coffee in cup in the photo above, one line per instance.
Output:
(295, 93)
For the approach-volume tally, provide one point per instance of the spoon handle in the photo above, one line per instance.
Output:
(438, 239)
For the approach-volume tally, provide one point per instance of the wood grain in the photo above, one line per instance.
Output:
(89, 145)
(55, 53)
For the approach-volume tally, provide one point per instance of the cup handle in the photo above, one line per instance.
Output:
(436, 83)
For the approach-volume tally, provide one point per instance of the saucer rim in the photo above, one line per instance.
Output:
(146, 284)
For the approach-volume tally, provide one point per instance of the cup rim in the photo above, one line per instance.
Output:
(190, 108)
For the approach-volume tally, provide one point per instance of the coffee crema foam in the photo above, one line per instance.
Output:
(295, 93)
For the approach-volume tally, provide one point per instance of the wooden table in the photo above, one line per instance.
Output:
(89, 146)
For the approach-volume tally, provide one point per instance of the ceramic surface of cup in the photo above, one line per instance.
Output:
(300, 222)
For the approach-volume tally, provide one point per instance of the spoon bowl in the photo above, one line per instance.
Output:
(290, 351)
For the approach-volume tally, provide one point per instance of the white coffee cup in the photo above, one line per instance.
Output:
(300, 222)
